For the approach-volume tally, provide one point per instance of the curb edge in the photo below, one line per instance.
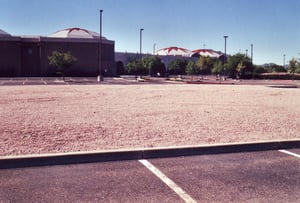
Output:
(136, 154)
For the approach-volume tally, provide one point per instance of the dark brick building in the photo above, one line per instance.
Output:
(28, 55)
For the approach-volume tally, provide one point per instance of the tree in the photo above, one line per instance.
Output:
(154, 65)
(294, 66)
(259, 69)
(136, 67)
(62, 61)
(274, 68)
(240, 68)
(146, 65)
(239, 65)
(192, 69)
(177, 66)
(205, 64)
(217, 67)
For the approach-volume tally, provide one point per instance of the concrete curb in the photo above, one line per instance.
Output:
(136, 154)
(220, 149)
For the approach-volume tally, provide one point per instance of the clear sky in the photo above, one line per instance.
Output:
(272, 26)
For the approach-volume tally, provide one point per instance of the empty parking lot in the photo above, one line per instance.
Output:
(263, 176)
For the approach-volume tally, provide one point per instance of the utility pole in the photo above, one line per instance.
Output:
(252, 54)
(154, 48)
(141, 30)
(225, 57)
(99, 78)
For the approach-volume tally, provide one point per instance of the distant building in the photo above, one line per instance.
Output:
(166, 55)
(28, 55)
(174, 51)
(207, 52)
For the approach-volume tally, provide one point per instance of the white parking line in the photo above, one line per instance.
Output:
(168, 181)
(290, 153)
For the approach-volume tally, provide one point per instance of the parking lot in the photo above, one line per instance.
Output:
(75, 81)
(131, 79)
(51, 81)
(262, 176)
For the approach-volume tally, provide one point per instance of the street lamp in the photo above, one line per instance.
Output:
(141, 30)
(100, 50)
(251, 54)
(225, 38)
(154, 48)
(283, 60)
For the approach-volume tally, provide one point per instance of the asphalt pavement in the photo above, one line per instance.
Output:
(260, 176)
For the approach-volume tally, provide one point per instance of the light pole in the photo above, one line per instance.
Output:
(246, 52)
(283, 60)
(100, 50)
(141, 30)
(154, 48)
(225, 57)
(251, 54)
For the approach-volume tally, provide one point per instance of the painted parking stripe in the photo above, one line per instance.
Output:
(290, 153)
(168, 181)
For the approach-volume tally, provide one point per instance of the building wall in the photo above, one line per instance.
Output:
(86, 54)
(29, 56)
(108, 60)
(30, 59)
(10, 57)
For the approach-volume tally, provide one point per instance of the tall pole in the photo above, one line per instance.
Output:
(246, 52)
(154, 48)
(225, 57)
(251, 54)
(283, 60)
(141, 30)
(100, 49)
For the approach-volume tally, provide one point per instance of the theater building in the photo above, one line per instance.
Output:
(27, 56)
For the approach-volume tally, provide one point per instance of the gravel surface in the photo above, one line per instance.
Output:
(51, 119)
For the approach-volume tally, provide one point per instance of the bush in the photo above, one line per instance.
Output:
(279, 76)
(177, 67)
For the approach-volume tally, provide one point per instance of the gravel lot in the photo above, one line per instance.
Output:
(49, 119)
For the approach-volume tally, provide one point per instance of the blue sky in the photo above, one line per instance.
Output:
(272, 26)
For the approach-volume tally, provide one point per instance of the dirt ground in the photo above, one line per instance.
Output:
(49, 119)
